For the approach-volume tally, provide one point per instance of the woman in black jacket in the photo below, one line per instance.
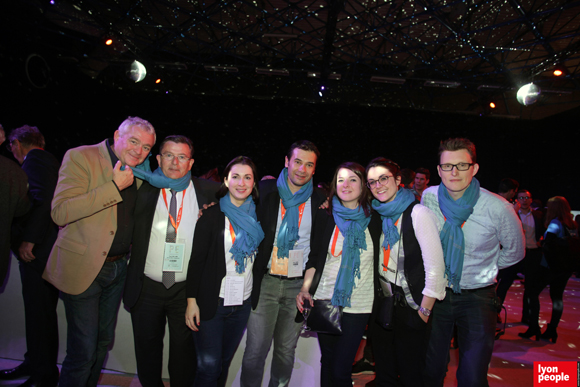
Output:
(341, 269)
(219, 277)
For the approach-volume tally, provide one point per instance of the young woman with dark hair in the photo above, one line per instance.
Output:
(411, 236)
(219, 277)
(341, 269)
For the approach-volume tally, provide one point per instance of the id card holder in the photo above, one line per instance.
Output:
(386, 287)
(295, 263)
(234, 290)
(173, 257)
(278, 266)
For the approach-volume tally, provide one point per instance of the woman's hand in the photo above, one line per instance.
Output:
(303, 295)
(423, 317)
(192, 315)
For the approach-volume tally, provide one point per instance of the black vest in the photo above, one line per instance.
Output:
(414, 267)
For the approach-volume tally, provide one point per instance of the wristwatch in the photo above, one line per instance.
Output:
(425, 312)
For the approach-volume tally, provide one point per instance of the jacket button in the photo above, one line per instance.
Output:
(111, 233)
(104, 253)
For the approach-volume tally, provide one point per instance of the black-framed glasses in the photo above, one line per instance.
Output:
(524, 197)
(171, 156)
(383, 180)
(460, 166)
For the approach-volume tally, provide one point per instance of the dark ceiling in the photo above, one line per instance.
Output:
(453, 56)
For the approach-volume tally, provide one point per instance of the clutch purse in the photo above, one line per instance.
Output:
(325, 318)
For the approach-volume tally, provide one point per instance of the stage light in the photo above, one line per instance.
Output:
(158, 80)
(136, 71)
(558, 72)
(528, 94)
(492, 105)
(108, 42)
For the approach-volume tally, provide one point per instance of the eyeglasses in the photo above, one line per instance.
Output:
(171, 157)
(460, 166)
(524, 198)
(383, 180)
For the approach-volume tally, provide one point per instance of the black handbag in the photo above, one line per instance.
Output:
(325, 318)
(384, 316)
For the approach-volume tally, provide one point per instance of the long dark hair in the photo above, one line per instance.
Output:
(365, 196)
(243, 160)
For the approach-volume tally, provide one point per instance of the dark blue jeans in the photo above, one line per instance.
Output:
(474, 313)
(338, 351)
(91, 318)
(216, 342)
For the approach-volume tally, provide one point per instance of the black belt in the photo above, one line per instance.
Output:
(475, 290)
(284, 277)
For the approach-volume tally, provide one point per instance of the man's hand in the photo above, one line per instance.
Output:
(122, 179)
(205, 207)
(25, 252)
(324, 206)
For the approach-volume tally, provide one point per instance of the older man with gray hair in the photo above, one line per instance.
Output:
(94, 203)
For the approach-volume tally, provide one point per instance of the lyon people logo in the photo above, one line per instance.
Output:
(556, 373)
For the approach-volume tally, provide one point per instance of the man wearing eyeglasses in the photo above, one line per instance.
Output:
(94, 202)
(475, 223)
(166, 214)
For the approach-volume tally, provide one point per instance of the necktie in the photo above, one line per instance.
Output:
(168, 278)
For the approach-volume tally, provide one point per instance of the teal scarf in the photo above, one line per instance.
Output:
(352, 225)
(456, 213)
(248, 231)
(157, 179)
(288, 233)
(390, 212)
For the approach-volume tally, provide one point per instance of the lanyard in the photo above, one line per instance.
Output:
(300, 212)
(232, 233)
(173, 223)
(387, 253)
(333, 248)
(462, 224)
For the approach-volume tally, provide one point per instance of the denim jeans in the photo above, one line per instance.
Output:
(91, 318)
(338, 351)
(474, 313)
(273, 318)
(216, 343)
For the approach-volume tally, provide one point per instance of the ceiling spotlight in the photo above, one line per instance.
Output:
(136, 71)
(492, 105)
(158, 80)
(108, 42)
(560, 70)
(528, 94)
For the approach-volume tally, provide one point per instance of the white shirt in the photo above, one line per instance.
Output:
(361, 300)
(154, 261)
(529, 225)
(231, 265)
(303, 242)
(492, 223)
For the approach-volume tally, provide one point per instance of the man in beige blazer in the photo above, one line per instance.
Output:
(94, 203)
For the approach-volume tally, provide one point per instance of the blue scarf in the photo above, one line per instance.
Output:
(157, 179)
(288, 233)
(456, 213)
(248, 231)
(352, 225)
(390, 212)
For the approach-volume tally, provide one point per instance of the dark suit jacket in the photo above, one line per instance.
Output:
(268, 217)
(37, 226)
(538, 223)
(207, 265)
(147, 197)
(14, 202)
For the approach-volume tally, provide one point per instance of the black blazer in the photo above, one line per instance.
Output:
(268, 217)
(207, 266)
(14, 202)
(147, 197)
(37, 226)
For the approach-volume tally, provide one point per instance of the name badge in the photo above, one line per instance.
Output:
(234, 290)
(173, 257)
(295, 263)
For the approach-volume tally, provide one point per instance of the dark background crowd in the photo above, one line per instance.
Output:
(75, 110)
